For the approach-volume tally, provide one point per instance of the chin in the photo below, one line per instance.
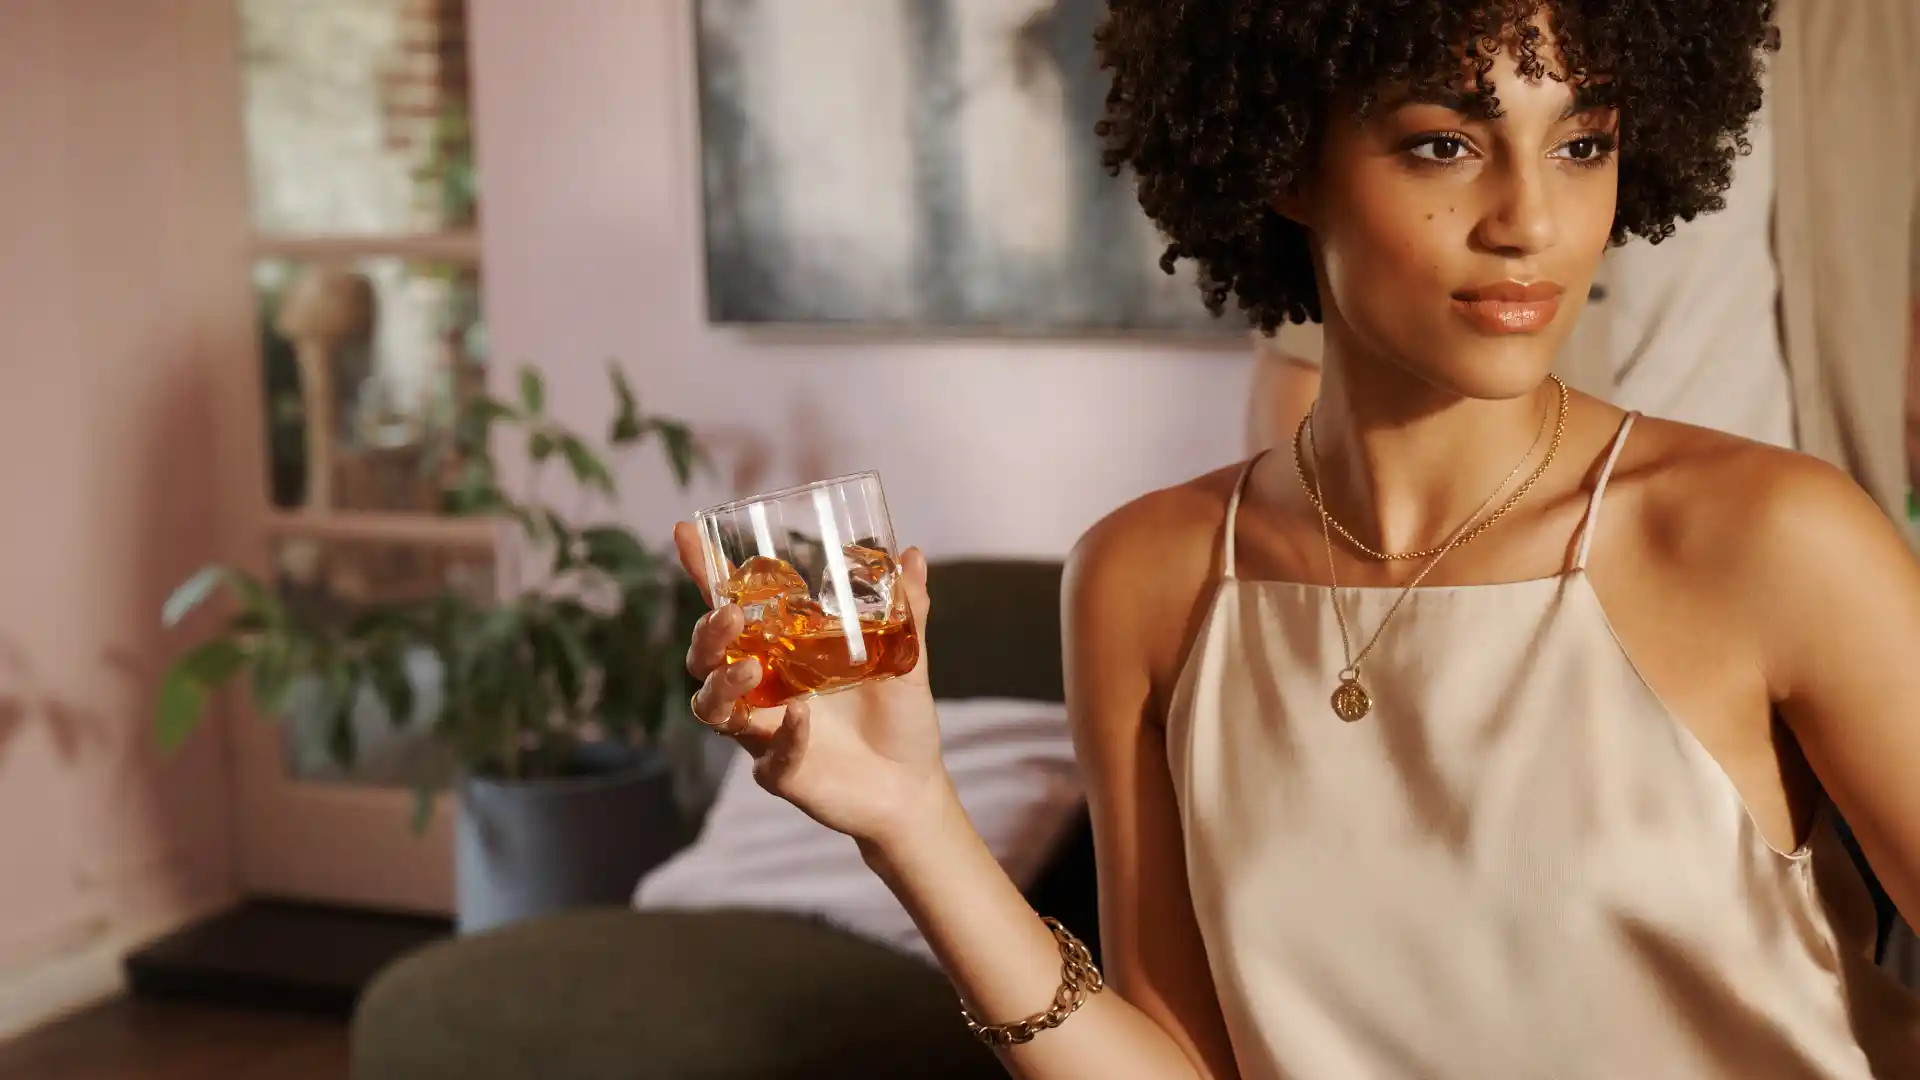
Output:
(1486, 367)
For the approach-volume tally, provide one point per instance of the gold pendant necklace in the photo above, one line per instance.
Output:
(1351, 701)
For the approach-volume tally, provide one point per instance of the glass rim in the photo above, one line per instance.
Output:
(786, 493)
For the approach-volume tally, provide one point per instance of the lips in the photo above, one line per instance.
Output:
(1509, 307)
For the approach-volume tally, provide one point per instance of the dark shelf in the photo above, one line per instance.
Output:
(278, 955)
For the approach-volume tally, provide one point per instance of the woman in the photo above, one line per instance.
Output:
(1484, 731)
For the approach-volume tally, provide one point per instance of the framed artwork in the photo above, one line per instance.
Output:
(922, 165)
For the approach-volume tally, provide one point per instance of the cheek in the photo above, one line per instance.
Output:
(1388, 240)
(1593, 216)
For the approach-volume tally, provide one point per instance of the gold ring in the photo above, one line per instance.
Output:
(693, 706)
(722, 727)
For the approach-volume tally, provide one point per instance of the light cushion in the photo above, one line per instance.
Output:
(1011, 762)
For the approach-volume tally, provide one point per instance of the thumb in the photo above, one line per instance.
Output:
(778, 755)
(693, 557)
(913, 567)
(913, 580)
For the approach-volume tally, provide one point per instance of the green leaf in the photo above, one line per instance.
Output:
(183, 701)
(475, 492)
(247, 624)
(342, 744)
(541, 445)
(343, 689)
(501, 625)
(382, 620)
(617, 551)
(387, 669)
(587, 468)
(257, 599)
(184, 689)
(533, 391)
(260, 609)
(682, 451)
(563, 555)
(531, 523)
(626, 420)
(474, 424)
(272, 672)
(191, 594)
(576, 663)
(213, 663)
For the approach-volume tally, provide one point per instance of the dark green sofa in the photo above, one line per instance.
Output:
(732, 995)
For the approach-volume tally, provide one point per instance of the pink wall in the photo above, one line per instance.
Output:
(103, 457)
(592, 238)
(586, 122)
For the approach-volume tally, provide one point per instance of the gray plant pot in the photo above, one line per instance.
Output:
(528, 847)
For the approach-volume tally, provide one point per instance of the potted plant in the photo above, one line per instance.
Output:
(551, 692)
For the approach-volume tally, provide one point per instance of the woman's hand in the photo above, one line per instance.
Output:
(864, 761)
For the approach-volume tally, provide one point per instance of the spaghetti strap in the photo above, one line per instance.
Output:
(1600, 489)
(1233, 514)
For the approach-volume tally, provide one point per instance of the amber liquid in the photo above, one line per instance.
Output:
(813, 662)
(802, 650)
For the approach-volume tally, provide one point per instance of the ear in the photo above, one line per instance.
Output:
(1296, 204)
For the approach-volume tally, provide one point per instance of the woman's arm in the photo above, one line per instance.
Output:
(1836, 592)
(1119, 632)
(1157, 1019)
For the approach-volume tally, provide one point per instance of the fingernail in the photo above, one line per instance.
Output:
(746, 672)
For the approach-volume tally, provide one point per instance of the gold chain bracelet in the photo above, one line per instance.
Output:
(1079, 979)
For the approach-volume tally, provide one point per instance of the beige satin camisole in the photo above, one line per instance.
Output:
(1519, 866)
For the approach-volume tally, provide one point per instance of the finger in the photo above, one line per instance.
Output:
(918, 602)
(913, 566)
(693, 556)
(716, 703)
(757, 730)
(712, 635)
(779, 750)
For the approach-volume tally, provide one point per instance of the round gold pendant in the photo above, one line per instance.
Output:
(1351, 701)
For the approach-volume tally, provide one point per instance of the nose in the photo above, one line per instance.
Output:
(1519, 220)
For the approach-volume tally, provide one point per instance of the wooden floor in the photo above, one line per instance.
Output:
(126, 1039)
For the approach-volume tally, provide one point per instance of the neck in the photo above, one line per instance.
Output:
(1402, 463)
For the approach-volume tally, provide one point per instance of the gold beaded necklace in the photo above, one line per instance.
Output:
(1313, 489)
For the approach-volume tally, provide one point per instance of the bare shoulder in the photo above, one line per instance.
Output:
(1136, 580)
(1186, 515)
(1767, 527)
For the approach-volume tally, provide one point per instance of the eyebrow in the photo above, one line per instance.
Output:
(1586, 97)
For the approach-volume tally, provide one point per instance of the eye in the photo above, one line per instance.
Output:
(1587, 149)
(1444, 148)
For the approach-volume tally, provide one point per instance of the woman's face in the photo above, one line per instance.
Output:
(1461, 249)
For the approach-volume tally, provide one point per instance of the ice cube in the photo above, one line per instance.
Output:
(802, 616)
(871, 574)
(763, 587)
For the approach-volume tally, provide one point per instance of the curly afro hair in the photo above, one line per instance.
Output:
(1218, 105)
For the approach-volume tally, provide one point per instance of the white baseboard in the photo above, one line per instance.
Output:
(61, 985)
